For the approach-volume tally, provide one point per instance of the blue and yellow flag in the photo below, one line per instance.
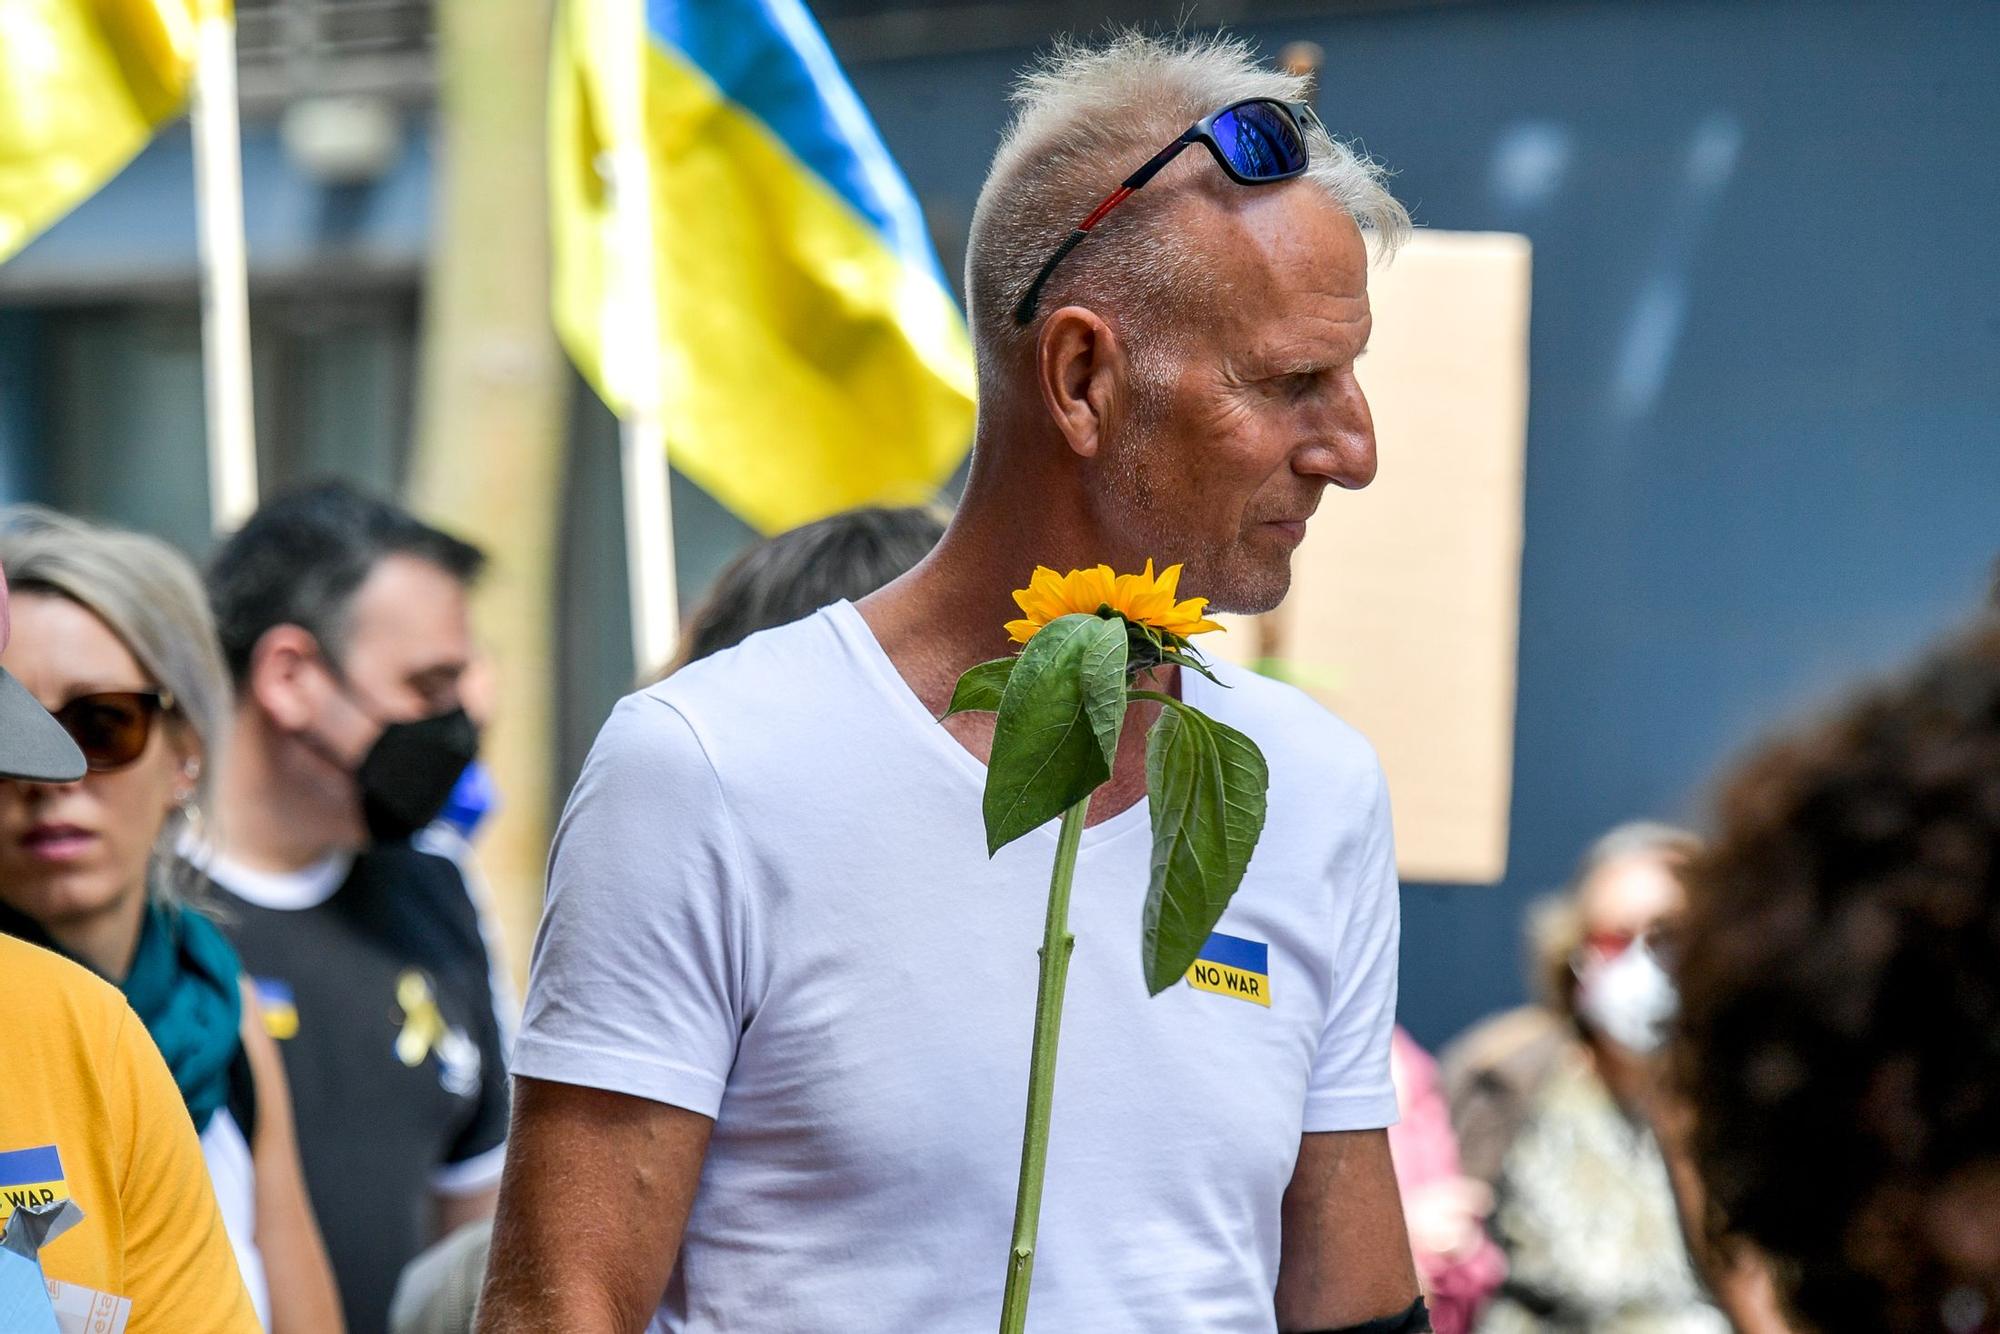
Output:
(812, 357)
(1233, 966)
(83, 86)
(30, 1179)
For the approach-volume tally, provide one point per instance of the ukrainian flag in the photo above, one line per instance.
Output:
(812, 356)
(83, 86)
(30, 1179)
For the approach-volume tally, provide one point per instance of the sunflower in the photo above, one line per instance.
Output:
(1142, 599)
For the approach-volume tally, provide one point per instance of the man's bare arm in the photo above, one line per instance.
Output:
(597, 1190)
(1345, 1256)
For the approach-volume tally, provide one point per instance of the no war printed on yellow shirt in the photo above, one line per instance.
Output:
(89, 1113)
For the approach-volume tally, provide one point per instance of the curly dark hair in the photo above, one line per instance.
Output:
(1839, 1037)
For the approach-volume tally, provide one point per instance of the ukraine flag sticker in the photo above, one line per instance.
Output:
(1233, 966)
(281, 1012)
(30, 1178)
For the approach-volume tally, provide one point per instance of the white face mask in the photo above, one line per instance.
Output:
(1629, 998)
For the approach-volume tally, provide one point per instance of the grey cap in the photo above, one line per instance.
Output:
(32, 744)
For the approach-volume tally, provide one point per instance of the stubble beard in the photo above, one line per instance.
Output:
(1228, 573)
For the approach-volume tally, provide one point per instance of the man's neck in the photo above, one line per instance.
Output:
(264, 821)
(1021, 508)
(947, 614)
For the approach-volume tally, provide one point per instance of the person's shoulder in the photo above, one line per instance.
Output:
(407, 862)
(423, 888)
(53, 1002)
(1514, 1049)
(758, 689)
(1291, 727)
(763, 670)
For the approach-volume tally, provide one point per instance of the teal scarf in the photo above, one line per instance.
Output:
(183, 986)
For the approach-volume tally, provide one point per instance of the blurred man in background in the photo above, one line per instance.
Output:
(775, 582)
(344, 624)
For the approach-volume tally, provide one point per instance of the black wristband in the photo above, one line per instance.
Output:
(1415, 1319)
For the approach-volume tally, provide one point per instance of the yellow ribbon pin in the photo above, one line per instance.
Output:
(423, 1025)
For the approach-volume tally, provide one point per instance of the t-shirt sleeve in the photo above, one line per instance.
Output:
(638, 976)
(180, 1272)
(480, 1151)
(1351, 1088)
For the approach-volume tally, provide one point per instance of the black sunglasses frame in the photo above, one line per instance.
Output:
(1303, 118)
(156, 705)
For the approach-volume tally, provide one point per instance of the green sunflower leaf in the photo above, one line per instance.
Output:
(1207, 784)
(1188, 659)
(1057, 731)
(979, 690)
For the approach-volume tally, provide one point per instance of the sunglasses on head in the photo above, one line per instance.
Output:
(1257, 141)
(112, 727)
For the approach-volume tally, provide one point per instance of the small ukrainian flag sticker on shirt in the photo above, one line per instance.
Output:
(281, 1012)
(1233, 966)
(30, 1178)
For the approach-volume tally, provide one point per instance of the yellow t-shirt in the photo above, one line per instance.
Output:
(85, 1095)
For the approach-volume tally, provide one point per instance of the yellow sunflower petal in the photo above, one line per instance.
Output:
(1144, 598)
(1128, 597)
(1091, 589)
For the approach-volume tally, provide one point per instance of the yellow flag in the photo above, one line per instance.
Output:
(83, 86)
(811, 355)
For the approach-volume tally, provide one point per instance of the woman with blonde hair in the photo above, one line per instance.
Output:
(113, 636)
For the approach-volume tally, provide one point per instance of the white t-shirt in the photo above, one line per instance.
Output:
(233, 1173)
(770, 903)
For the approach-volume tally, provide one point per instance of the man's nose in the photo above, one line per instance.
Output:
(1342, 446)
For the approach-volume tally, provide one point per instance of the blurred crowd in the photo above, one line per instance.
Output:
(1755, 1090)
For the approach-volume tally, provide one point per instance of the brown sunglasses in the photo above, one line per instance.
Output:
(112, 727)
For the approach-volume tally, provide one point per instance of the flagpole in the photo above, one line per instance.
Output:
(225, 288)
(631, 340)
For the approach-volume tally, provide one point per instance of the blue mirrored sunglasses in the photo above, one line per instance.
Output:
(1256, 142)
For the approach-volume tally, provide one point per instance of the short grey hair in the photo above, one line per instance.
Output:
(150, 597)
(1087, 116)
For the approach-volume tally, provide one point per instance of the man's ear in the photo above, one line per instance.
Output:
(1080, 368)
(285, 677)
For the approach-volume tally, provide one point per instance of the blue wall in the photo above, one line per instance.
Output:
(1764, 445)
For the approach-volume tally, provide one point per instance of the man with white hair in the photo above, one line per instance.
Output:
(772, 1070)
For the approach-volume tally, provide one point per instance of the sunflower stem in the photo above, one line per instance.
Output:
(1057, 944)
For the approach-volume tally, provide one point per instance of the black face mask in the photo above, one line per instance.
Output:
(408, 774)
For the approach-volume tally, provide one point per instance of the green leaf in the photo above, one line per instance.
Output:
(1187, 658)
(1207, 784)
(978, 691)
(1057, 732)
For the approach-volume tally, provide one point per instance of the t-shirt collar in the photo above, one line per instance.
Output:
(285, 891)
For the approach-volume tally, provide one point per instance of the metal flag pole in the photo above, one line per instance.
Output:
(631, 340)
(225, 287)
